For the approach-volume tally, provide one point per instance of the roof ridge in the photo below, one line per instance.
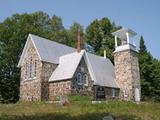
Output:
(50, 40)
(64, 45)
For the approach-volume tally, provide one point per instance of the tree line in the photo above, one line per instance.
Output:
(97, 36)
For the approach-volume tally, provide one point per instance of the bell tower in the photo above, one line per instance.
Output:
(126, 65)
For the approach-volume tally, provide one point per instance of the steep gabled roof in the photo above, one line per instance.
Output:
(100, 69)
(103, 70)
(67, 66)
(47, 50)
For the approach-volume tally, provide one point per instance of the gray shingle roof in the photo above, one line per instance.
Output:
(67, 66)
(100, 69)
(103, 71)
(50, 51)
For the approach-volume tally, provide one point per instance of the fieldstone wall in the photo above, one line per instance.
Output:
(47, 70)
(127, 73)
(59, 88)
(82, 89)
(70, 87)
(30, 88)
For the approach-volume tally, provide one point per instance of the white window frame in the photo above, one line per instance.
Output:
(125, 91)
(30, 69)
(26, 71)
(79, 78)
(85, 78)
(34, 69)
(113, 93)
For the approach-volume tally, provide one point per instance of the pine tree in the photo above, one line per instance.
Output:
(145, 69)
(98, 34)
(72, 34)
(149, 73)
(142, 46)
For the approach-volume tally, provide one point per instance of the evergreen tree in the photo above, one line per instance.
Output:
(57, 30)
(143, 49)
(14, 32)
(145, 65)
(149, 73)
(72, 34)
(155, 82)
(98, 35)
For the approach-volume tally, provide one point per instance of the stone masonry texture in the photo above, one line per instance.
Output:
(40, 89)
(127, 73)
(70, 86)
(37, 88)
(30, 88)
(47, 70)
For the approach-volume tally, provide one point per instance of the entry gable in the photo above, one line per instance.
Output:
(82, 74)
(28, 43)
(67, 66)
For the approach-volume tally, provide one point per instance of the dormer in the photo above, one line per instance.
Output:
(124, 40)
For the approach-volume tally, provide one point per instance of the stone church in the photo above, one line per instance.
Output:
(50, 70)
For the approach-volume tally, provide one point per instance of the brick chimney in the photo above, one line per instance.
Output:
(79, 42)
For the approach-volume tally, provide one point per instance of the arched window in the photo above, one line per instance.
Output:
(30, 69)
(85, 79)
(35, 69)
(26, 71)
(79, 79)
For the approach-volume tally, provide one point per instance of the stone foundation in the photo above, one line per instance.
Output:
(59, 88)
(30, 90)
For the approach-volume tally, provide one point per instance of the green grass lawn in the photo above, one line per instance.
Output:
(77, 110)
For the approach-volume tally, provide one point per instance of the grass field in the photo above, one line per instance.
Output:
(77, 110)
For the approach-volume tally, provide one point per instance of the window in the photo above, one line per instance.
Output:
(79, 79)
(125, 93)
(35, 69)
(85, 79)
(30, 69)
(113, 92)
(26, 71)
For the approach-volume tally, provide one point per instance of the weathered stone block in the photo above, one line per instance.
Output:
(127, 73)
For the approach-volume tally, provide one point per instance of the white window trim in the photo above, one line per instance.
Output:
(113, 93)
(79, 82)
(86, 79)
(26, 71)
(34, 69)
(30, 67)
(125, 93)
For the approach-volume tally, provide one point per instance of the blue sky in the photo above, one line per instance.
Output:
(140, 15)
